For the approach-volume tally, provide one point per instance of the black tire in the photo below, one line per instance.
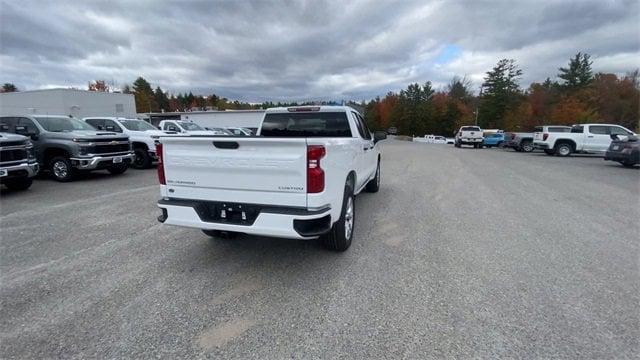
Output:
(563, 149)
(142, 159)
(374, 184)
(456, 144)
(549, 152)
(500, 144)
(18, 184)
(526, 146)
(118, 169)
(220, 234)
(628, 164)
(339, 238)
(61, 169)
(480, 146)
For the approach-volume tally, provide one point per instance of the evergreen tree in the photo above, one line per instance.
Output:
(162, 101)
(9, 87)
(501, 93)
(578, 74)
(145, 101)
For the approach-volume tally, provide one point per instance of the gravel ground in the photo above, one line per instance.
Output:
(463, 253)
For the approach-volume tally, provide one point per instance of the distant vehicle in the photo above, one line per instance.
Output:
(519, 141)
(541, 136)
(625, 150)
(238, 131)
(469, 135)
(431, 139)
(140, 133)
(297, 179)
(18, 164)
(66, 145)
(583, 138)
(218, 131)
(493, 139)
(392, 130)
(182, 127)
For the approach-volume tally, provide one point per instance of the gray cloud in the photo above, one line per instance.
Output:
(301, 50)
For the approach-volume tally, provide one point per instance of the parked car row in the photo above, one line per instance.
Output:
(64, 146)
(616, 142)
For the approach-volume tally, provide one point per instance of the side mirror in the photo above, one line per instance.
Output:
(379, 135)
(24, 131)
(613, 136)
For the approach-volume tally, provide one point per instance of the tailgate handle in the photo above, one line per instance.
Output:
(226, 144)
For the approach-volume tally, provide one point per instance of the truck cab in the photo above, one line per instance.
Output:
(182, 127)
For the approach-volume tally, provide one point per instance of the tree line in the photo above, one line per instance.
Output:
(577, 95)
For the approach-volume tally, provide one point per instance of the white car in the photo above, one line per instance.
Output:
(582, 138)
(431, 139)
(297, 178)
(469, 135)
(182, 127)
(238, 131)
(141, 134)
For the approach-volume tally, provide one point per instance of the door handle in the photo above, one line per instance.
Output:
(590, 136)
(367, 148)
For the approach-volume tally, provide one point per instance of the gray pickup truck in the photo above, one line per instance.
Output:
(18, 163)
(65, 145)
(518, 141)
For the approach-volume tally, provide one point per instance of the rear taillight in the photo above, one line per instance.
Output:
(545, 136)
(159, 154)
(315, 174)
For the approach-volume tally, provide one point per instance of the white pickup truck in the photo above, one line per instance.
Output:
(582, 138)
(140, 133)
(297, 178)
(469, 135)
(183, 127)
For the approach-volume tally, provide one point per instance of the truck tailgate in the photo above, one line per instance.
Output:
(270, 171)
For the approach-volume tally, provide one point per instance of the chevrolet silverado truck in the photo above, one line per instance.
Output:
(297, 178)
(469, 135)
(141, 134)
(66, 145)
(18, 163)
(583, 138)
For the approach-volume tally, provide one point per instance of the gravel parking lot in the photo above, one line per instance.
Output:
(463, 252)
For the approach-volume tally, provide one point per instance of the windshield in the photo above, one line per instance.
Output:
(470, 128)
(136, 125)
(189, 126)
(62, 124)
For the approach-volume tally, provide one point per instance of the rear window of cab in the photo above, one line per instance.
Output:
(306, 124)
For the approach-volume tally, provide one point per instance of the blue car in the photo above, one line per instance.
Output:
(493, 139)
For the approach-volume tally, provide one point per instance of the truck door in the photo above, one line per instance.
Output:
(597, 138)
(365, 151)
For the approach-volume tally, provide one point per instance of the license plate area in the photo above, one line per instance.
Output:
(229, 213)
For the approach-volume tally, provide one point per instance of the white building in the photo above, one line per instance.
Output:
(77, 103)
(230, 118)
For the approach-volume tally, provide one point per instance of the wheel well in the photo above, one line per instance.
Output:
(139, 145)
(50, 153)
(565, 141)
(351, 178)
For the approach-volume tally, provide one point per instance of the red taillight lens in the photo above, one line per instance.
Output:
(545, 136)
(159, 154)
(315, 174)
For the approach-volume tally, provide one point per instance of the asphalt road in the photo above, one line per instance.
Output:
(463, 253)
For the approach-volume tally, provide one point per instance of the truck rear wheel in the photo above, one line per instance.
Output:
(563, 149)
(341, 233)
(18, 183)
(526, 146)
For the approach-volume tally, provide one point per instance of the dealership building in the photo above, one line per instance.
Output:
(77, 103)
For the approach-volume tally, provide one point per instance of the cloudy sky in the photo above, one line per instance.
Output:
(306, 50)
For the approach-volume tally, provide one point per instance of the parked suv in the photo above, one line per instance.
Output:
(18, 163)
(140, 133)
(65, 145)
